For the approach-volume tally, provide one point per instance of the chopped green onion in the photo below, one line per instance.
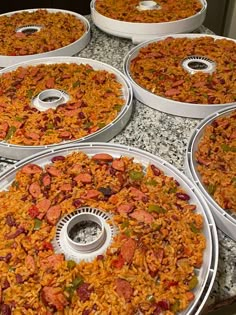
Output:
(117, 107)
(156, 208)
(193, 228)
(193, 283)
(29, 93)
(15, 184)
(152, 182)
(71, 264)
(37, 224)
(211, 189)
(77, 282)
(150, 298)
(125, 224)
(175, 307)
(17, 118)
(50, 126)
(135, 175)
(172, 190)
(75, 84)
(127, 232)
(101, 125)
(10, 132)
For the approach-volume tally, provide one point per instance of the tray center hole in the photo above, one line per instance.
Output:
(85, 232)
(148, 5)
(197, 65)
(194, 64)
(50, 98)
(29, 29)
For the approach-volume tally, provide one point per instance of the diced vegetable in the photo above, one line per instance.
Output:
(150, 298)
(136, 175)
(37, 224)
(193, 283)
(211, 189)
(71, 264)
(156, 208)
(193, 228)
(10, 132)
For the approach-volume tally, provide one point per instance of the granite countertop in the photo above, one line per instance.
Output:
(166, 136)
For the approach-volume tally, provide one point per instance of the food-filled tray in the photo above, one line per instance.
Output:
(210, 163)
(144, 20)
(38, 33)
(51, 101)
(190, 75)
(161, 233)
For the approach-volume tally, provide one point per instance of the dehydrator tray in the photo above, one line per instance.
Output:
(188, 64)
(46, 99)
(139, 32)
(225, 219)
(26, 30)
(42, 160)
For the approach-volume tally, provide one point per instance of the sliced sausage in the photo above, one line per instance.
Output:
(53, 214)
(92, 194)
(54, 297)
(30, 263)
(137, 194)
(66, 187)
(124, 209)
(123, 289)
(142, 216)
(52, 170)
(118, 165)
(52, 261)
(84, 178)
(31, 169)
(104, 157)
(46, 180)
(128, 249)
(35, 190)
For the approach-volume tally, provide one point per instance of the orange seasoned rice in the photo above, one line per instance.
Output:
(216, 157)
(95, 100)
(150, 265)
(169, 10)
(158, 68)
(57, 29)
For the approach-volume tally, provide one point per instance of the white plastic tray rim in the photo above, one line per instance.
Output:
(106, 132)
(207, 272)
(191, 163)
(165, 104)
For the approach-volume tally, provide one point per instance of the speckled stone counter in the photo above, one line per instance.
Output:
(165, 136)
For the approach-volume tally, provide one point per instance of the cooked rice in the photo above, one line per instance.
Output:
(168, 10)
(148, 268)
(216, 157)
(158, 68)
(57, 30)
(96, 98)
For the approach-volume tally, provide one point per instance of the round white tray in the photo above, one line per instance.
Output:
(206, 274)
(68, 50)
(139, 32)
(104, 134)
(164, 104)
(225, 221)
